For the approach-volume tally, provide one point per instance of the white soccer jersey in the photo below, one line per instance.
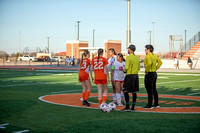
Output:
(111, 60)
(119, 70)
(175, 61)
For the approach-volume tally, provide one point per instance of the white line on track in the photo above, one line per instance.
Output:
(23, 131)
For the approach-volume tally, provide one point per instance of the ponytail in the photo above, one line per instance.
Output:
(84, 54)
(121, 56)
(113, 50)
(100, 51)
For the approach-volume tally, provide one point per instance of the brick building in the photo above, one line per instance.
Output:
(76, 48)
(116, 44)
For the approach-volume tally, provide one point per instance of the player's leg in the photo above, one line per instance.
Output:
(87, 94)
(127, 107)
(126, 86)
(105, 88)
(99, 93)
(121, 89)
(149, 88)
(83, 92)
(118, 94)
(134, 94)
(114, 92)
(155, 92)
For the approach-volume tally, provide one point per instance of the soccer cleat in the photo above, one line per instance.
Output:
(126, 110)
(133, 108)
(156, 106)
(148, 107)
(86, 103)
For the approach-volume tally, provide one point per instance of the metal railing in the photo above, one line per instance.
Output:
(191, 42)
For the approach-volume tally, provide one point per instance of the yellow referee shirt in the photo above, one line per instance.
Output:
(132, 64)
(152, 63)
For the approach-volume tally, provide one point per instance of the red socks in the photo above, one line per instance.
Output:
(85, 95)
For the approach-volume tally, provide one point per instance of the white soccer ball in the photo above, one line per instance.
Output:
(112, 106)
(109, 109)
(103, 107)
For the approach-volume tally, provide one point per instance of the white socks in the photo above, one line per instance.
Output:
(118, 98)
(114, 97)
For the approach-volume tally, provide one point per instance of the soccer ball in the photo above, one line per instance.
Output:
(103, 107)
(112, 106)
(108, 109)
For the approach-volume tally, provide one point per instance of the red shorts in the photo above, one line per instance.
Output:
(83, 77)
(119, 81)
(104, 81)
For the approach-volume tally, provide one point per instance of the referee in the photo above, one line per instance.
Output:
(152, 64)
(131, 81)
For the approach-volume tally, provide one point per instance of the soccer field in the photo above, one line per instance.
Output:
(22, 110)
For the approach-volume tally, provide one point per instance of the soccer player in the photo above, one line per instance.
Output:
(152, 64)
(118, 76)
(99, 64)
(84, 68)
(111, 60)
(131, 82)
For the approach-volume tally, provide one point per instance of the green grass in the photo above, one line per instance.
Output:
(20, 107)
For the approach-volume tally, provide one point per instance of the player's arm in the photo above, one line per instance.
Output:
(79, 68)
(126, 65)
(159, 63)
(112, 72)
(107, 73)
(91, 68)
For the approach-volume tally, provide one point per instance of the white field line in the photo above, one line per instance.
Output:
(68, 82)
(179, 81)
(40, 98)
(3, 125)
(176, 74)
(177, 88)
(159, 77)
(193, 94)
(23, 131)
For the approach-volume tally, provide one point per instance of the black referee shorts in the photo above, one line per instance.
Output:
(131, 83)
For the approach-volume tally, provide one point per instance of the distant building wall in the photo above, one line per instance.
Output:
(73, 48)
(116, 44)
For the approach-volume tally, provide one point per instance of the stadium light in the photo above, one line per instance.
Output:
(128, 34)
(78, 29)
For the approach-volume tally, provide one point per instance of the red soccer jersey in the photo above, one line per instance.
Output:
(99, 68)
(84, 67)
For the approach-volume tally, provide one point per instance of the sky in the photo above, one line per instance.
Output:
(35, 20)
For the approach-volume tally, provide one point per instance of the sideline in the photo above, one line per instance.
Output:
(73, 100)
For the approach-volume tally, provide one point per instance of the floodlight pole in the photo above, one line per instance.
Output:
(78, 29)
(128, 36)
